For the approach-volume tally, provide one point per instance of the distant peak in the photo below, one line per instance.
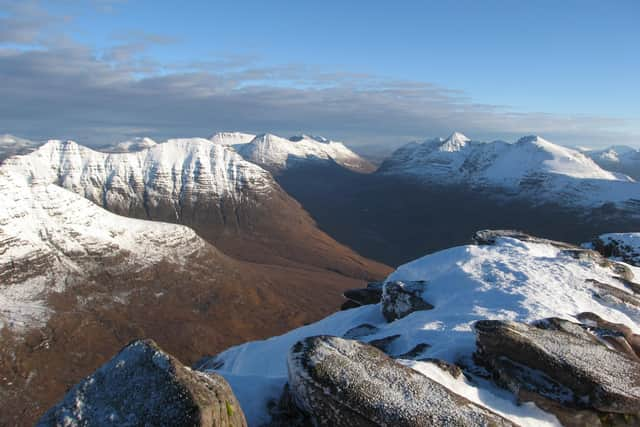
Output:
(455, 142)
(458, 136)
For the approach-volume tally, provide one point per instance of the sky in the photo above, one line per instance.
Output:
(374, 74)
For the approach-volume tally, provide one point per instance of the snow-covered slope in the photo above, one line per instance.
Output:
(532, 167)
(169, 175)
(51, 238)
(276, 154)
(618, 158)
(510, 279)
(12, 145)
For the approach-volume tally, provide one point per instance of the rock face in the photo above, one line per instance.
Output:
(341, 382)
(399, 299)
(562, 363)
(143, 385)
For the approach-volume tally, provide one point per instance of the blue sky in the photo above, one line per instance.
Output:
(386, 72)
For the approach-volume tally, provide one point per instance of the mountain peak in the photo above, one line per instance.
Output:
(455, 142)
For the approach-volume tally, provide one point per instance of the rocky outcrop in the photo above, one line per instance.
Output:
(399, 299)
(143, 385)
(341, 382)
(623, 246)
(561, 362)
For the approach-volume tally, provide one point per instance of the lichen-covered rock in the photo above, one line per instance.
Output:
(143, 385)
(561, 364)
(620, 336)
(342, 382)
(400, 299)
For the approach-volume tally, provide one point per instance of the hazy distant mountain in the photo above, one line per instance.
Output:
(129, 146)
(618, 158)
(12, 145)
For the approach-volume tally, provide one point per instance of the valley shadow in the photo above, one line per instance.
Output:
(396, 219)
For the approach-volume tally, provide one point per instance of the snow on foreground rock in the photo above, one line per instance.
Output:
(143, 385)
(512, 279)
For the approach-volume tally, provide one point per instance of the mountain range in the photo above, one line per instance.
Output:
(181, 240)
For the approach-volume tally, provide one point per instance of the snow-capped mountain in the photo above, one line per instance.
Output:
(12, 145)
(618, 158)
(532, 167)
(231, 202)
(506, 277)
(277, 154)
(166, 176)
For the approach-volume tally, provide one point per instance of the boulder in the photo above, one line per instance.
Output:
(340, 382)
(143, 385)
(399, 299)
(560, 363)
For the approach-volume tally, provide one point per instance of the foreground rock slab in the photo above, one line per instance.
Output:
(340, 382)
(143, 385)
(560, 362)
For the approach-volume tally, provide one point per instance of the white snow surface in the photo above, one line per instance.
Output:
(276, 153)
(50, 237)
(511, 280)
(532, 166)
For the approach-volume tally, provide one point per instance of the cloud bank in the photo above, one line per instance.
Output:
(54, 87)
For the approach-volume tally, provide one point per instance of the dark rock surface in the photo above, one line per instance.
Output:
(361, 331)
(143, 385)
(340, 382)
(561, 363)
(489, 237)
(612, 247)
(399, 299)
(364, 296)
